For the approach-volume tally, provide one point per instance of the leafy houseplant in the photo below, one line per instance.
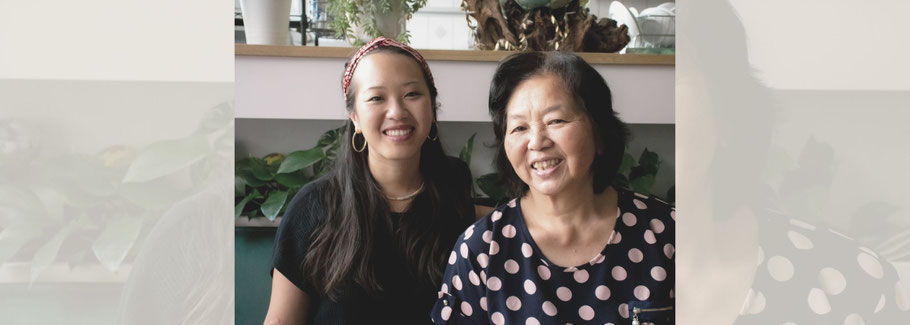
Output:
(81, 209)
(363, 20)
(265, 185)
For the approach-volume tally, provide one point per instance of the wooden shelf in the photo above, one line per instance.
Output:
(444, 55)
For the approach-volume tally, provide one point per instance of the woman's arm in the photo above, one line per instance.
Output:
(289, 304)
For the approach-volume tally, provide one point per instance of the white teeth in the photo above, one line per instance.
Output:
(398, 132)
(546, 164)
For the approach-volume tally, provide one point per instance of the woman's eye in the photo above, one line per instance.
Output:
(557, 121)
(518, 129)
(374, 99)
(412, 94)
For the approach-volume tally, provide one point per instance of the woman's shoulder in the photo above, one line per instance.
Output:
(651, 213)
(650, 205)
(482, 232)
(306, 209)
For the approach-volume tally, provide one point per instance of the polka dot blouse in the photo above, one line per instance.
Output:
(497, 274)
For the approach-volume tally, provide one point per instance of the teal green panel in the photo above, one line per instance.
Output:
(252, 282)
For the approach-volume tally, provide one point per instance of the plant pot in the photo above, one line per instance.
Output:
(266, 22)
(389, 24)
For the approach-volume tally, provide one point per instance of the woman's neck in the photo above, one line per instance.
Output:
(577, 206)
(396, 178)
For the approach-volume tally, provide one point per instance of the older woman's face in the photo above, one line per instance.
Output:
(548, 138)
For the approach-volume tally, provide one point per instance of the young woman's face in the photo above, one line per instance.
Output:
(392, 106)
(548, 138)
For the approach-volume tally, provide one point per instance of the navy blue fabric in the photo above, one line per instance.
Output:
(498, 275)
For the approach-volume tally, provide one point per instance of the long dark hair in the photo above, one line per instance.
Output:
(356, 215)
(590, 91)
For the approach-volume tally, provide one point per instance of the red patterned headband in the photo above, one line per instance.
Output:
(374, 44)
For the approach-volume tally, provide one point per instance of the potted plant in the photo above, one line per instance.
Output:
(264, 186)
(266, 22)
(359, 21)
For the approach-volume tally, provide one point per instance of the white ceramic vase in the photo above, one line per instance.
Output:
(266, 22)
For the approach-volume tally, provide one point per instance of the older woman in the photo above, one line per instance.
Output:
(570, 248)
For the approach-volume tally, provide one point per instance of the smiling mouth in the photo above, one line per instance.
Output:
(398, 132)
(546, 164)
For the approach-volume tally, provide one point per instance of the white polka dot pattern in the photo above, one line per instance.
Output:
(513, 303)
(635, 255)
(511, 266)
(602, 292)
(564, 293)
(832, 281)
(586, 312)
(497, 259)
(549, 308)
(508, 231)
(526, 250)
(466, 308)
(530, 287)
(581, 276)
(818, 301)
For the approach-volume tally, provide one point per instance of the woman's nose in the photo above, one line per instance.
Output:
(397, 110)
(538, 139)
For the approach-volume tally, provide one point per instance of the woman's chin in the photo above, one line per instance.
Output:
(548, 188)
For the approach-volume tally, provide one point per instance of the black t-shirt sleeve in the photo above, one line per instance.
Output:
(303, 215)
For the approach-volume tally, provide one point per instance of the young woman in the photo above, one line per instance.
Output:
(367, 243)
(570, 248)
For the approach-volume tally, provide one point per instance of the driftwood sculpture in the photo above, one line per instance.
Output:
(508, 25)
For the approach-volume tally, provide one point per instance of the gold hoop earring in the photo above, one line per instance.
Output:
(436, 136)
(353, 142)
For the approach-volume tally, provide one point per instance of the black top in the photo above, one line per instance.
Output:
(404, 300)
(497, 274)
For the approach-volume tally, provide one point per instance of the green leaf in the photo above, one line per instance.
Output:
(627, 163)
(261, 170)
(466, 151)
(643, 184)
(216, 118)
(88, 174)
(16, 235)
(239, 185)
(116, 240)
(22, 199)
(250, 180)
(649, 161)
(48, 252)
(166, 157)
(273, 204)
(244, 164)
(492, 185)
(224, 144)
(330, 137)
(292, 180)
(648, 164)
(621, 181)
(158, 193)
(238, 209)
(301, 159)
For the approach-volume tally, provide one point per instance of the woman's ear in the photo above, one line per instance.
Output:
(355, 120)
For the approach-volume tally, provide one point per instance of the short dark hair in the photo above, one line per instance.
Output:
(589, 89)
